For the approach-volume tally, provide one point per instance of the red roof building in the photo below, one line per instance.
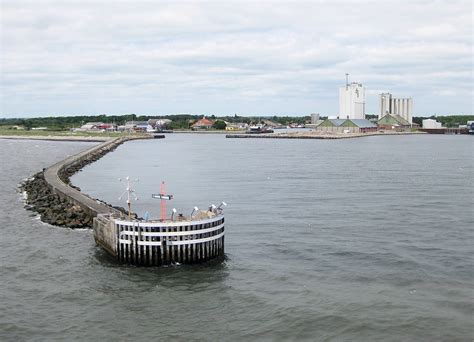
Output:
(202, 124)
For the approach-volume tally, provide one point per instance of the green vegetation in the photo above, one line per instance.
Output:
(219, 124)
(61, 125)
(179, 121)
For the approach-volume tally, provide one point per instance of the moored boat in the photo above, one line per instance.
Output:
(259, 130)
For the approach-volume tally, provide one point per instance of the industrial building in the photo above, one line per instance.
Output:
(347, 126)
(394, 122)
(430, 123)
(396, 106)
(352, 101)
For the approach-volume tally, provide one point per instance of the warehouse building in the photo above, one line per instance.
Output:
(347, 126)
(394, 122)
(430, 123)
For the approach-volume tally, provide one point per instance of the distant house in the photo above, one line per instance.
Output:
(393, 122)
(202, 124)
(130, 125)
(91, 126)
(107, 127)
(347, 126)
(140, 126)
(96, 127)
(155, 125)
(236, 126)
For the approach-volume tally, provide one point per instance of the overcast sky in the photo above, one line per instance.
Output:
(250, 58)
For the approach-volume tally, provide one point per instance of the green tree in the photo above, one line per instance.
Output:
(219, 124)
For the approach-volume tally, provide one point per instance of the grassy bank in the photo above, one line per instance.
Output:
(48, 133)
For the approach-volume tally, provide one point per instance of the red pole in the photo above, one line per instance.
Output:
(163, 201)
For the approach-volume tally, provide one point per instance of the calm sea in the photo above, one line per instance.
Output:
(358, 239)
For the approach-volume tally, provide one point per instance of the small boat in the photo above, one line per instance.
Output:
(259, 130)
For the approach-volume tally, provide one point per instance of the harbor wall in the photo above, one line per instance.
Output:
(57, 177)
(105, 234)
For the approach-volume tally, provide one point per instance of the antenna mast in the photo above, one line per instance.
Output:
(347, 81)
(129, 191)
(163, 201)
(163, 197)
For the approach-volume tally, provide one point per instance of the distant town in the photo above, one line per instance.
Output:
(394, 115)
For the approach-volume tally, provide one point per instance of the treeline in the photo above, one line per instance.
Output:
(179, 121)
(184, 121)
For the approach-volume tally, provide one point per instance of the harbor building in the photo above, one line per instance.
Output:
(430, 123)
(352, 101)
(394, 122)
(395, 106)
(347, 126)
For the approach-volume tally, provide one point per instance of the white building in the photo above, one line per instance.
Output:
(352, 101)
(430, 123)
(396, 106)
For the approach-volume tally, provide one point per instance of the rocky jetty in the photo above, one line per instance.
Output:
(53, 209)
(59, 206)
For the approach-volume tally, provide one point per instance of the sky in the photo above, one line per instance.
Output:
(245, 57)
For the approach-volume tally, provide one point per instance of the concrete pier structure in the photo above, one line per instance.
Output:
(158, 243)
(139, 242)
(59, 187)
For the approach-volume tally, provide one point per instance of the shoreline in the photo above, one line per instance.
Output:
(317, 135)
(228, 134)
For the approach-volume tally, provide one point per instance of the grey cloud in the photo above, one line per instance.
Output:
(232, 56)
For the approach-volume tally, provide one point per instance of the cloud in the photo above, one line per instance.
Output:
(270, 57)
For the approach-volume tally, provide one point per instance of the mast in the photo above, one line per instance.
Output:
(163, 201)
(163, 197)
(130, 192)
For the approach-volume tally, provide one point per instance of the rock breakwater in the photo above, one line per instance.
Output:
(52, 208)
(51, 194)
